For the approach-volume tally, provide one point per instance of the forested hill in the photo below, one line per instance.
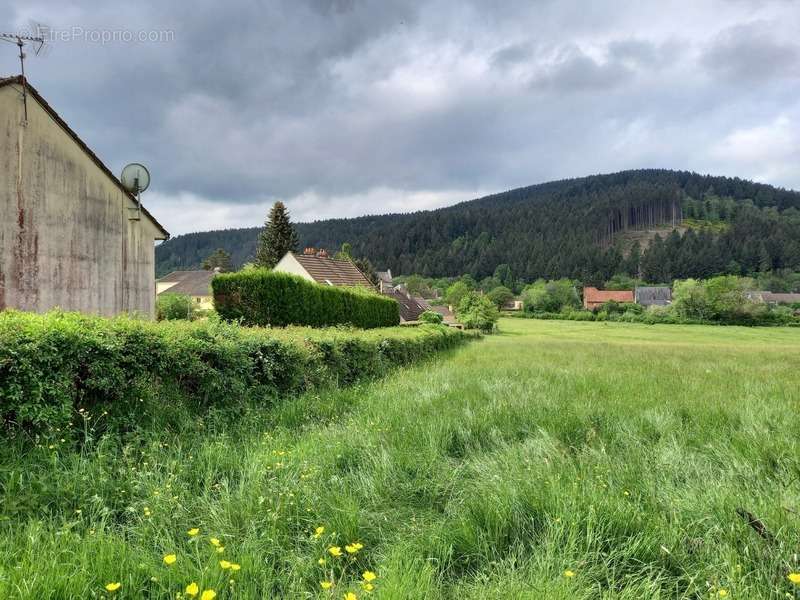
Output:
(568, 228)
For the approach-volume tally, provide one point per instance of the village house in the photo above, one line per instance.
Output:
(70, 235)
(773, 298)
(653, 295)
(195, 284)
(316, 265)
(594, 298)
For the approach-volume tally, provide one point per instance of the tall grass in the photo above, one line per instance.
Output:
(617, 452)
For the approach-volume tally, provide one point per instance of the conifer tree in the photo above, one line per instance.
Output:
(219, 259)
(278, 237)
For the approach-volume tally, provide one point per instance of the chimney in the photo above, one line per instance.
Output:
(309, 251)
(322, 253)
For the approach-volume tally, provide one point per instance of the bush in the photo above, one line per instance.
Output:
(550, 296)
(262, 297)
(170, 307)
(476, 311)
(431, 316)
(53, 366)
(500, 295)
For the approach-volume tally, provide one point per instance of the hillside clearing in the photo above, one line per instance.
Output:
(555, 460)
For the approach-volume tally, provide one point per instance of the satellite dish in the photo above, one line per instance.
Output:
(135, 178)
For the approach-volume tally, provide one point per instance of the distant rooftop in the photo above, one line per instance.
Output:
(191, 283)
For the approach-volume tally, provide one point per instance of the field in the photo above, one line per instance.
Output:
(554, 460)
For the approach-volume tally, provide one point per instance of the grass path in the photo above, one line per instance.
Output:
(616, 452)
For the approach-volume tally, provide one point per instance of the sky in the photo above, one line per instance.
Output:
(342, 108)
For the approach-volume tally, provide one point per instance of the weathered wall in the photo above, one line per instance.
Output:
(65, 236)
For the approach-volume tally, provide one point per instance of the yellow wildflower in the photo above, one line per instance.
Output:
(351, 548)
(335, 551)
(208, 595)
(358, 545)
(192, 589)
(235, 566)
(215, 542)
(318, 532)
(569, 573)
(794, 578)
(113, 586)
(169, 559)
(193, 531)
(722, 593)
(350, 596)
(321, 562)
(220, 549)
(368, 587)
(369, 576)
(325, 585)
(224, 564)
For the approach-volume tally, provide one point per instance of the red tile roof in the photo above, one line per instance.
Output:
(592, 295)
(55, 116)
(329, 271)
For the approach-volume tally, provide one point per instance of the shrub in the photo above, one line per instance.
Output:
(52, 366)
(500, 295)
(456, 292)
(262, 297)
(550, 296)
(170, 307)
(431, 316)
(476, 311)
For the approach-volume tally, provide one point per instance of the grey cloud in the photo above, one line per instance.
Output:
(321, 102)
(751, 52)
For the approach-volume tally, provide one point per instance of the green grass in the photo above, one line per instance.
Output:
(619, 452)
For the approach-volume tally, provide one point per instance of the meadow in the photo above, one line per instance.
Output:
(556, 459)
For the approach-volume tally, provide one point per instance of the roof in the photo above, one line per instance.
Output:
(442, 310)
(330, 271)
(49, 109)
(653, 295)
(780, 297)
(385, 276)
(593, 295)
(410, 309)
(192, 283)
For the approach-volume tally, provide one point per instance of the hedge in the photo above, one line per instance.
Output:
(56, 368)
(262, 297)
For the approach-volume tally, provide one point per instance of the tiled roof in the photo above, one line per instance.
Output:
(192, 283)
(654, 295)
(329, 271)
(780, 298)
(593, 295)
(49, 109)
(410, 309)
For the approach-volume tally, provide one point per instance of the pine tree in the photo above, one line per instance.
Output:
(278, 237)
(219, 259)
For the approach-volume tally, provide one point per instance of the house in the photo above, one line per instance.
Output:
(385, 276)
(316, 265)
(653, 296)
(195, 284)
(410, 307)
(594, 298)
(513, 305)
(70, 235)
(774, 298)
(448, 316)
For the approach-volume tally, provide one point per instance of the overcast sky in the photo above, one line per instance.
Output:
(350, 107)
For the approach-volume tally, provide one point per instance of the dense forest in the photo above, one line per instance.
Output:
(571, 228)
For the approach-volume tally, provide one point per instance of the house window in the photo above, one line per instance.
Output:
(198, 300)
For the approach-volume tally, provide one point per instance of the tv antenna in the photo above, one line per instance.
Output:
(21, 41)
(135, 179)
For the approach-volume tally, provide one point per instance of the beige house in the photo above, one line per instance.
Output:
(70, 235)
(316, 265)
(195, 284)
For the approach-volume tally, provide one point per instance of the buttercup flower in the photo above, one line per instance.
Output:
(215, 542)
(224, 564)
(113, 586)
(319, 531)
(193, 531)
(369, 576)
(170, 559)
(235, 566)
(569, 573)
(794, 578)
(335, 551)
(350, 596)
(208, 595)
(351, 548)
(192, 589)
(220, 549)
(321, 562)
(325, 585)
(723, 593)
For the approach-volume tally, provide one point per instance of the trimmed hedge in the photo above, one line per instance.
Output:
(56, 368)
(262, 297)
